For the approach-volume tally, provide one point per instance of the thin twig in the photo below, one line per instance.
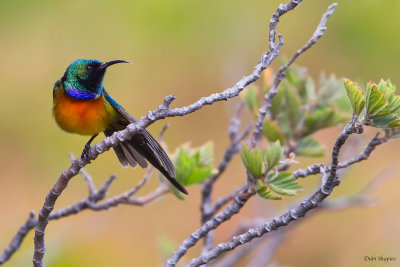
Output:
(222, 201)
(209, 237)
(18, 238)
(162, 132)
(149, 198)
(235, 122)
(206, 211)
(123, 198)
(319, 32)
(86, 176)
(315, 168)
(234, 147)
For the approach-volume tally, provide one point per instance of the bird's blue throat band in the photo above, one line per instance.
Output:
(78, 94)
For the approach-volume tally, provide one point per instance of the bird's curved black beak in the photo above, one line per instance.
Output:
(105, 65)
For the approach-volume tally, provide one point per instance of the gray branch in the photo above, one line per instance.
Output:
(222, 201)
(18, 238)
(319, 32)
(232, 149)
(207, 211)
(209, 237)
(316, 168)
(294, 214)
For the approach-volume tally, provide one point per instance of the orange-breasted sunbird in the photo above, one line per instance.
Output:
(83, 106)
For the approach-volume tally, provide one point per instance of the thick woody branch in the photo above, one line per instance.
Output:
(222, 201)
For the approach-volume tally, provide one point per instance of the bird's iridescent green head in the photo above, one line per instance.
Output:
(83, 79)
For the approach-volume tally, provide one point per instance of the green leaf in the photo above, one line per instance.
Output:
(323, 118)
(329, 91)
(265, 192)
(394, 103)
(178, 193)
(309, 147)
(199, 174)
(355, 95)
(310, 89)
(376, 103)
(272, 131)
(250, 97)
(292, 106)
(284, 184)
(252, 160)
(166, 245)
(384, 121)
(183, 165)
(386, 87)
(394, 124)
(292, 75)
(206, 154)
(272, 154)
(302, 89)
(193, 165)
(276, 103)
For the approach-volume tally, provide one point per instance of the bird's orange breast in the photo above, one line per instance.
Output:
(85, 117)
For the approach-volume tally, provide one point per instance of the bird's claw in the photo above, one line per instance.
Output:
(86, 153)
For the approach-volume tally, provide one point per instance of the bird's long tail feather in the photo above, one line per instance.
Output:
(142, 147)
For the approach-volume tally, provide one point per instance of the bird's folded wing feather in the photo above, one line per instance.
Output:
(145, 136)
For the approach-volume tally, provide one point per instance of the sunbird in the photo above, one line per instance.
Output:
(82, 106)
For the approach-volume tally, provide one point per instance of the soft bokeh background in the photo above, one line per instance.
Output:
(190, 49)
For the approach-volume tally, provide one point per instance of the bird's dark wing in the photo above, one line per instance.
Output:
(141, 145)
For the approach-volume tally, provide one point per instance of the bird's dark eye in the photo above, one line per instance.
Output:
(88, 67)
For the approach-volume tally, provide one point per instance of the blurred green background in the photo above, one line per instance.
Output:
(190, 49)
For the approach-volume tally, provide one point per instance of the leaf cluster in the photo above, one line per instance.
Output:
(377, 104)
(261, 165)
(300, 108)
(193, 165)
